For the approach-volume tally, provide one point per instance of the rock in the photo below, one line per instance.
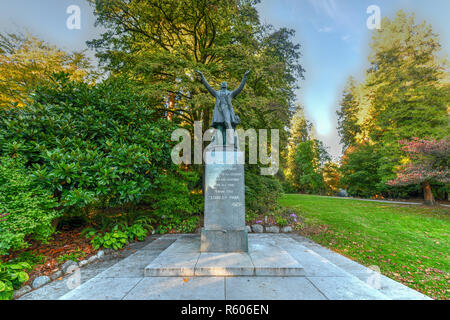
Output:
(66, 266)
(40, 281)
(257, 228)
(286, 229)
(56, 275)
(100, 254)
(21, 291)
(249, 229)
(92, 259)
(273, 229)
(82, 263)
(342, 193)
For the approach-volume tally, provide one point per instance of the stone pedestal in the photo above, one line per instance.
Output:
(224, 229)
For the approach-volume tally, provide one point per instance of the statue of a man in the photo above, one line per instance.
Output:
(224, 116)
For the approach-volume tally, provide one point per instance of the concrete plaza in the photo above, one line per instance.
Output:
(277, 267)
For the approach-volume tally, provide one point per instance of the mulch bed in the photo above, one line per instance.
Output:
(65, 241)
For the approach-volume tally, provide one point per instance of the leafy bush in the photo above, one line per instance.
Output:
(89, 144)
(12, 276)
(176, 203)
(261, 193)
(136, 232)
(174, 197)
(178, 224)
(118, 237)
(115, 239)
(25, 207)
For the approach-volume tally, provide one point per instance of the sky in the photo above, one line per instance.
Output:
(333, 36)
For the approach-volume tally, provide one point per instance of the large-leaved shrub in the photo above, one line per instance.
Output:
(26, 209)
(89, 144)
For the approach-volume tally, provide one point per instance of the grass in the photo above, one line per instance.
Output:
(410, 244)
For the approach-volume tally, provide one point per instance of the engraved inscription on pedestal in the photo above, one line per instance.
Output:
(224, 229)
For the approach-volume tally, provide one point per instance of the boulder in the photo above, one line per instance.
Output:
(100, 254)
(66, 266)
(82, 263)
(92, 259)
(273, 229)
(56, 275)
(20, 292)
(40, 281)
(257, 228)
(286, 229)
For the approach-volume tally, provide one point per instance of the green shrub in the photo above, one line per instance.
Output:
(261, 193)
(174, 197)
(176, 204)
(178, 225)
(116, 239)
(119, 235)
(90, 144)
(12, 276)
(25, 207)
(136, 232)
(281, 221)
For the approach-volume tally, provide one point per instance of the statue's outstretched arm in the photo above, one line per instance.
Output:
(206, 84)
(241, 86)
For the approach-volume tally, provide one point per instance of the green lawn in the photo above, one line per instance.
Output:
(410, 244)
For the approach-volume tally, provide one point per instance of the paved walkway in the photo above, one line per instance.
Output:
(385, 201)
(327, 275)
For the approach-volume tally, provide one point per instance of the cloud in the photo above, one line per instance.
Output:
(328, 7)
(345, 38)
(325, 29)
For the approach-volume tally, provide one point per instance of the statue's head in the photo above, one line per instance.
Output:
(223, 86)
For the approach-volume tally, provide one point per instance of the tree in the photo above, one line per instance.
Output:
(353, 114)
(331, 177)
(298, 132)
(409, 96)
(405, 94)
(427, 163)
(359, 170)
(310, 157)
(27, 62)
(159, 43)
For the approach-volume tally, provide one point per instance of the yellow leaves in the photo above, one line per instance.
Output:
(29, 62)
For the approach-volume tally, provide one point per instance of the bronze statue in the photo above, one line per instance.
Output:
(223, 115)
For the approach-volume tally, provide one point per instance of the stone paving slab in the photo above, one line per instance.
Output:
(317, 265)
(346, 288)
(224, 264)
(103, 289)
(271, 260)
(178, 264)
(265, 258)
(160, 244)
(271, 288)
(132, 266)
(392, 288)
(179, 288)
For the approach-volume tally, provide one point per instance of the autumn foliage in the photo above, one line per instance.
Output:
(427, 162)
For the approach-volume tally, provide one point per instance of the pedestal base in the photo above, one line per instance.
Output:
(224, 241)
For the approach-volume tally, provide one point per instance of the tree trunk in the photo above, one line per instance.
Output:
(427, 194)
